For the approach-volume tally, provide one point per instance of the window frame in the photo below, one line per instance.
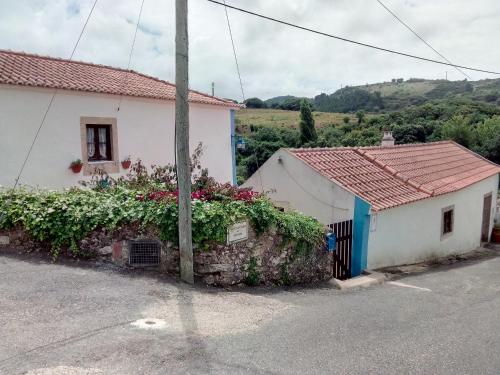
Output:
(109, 145)
(444, 211)
(110, 166)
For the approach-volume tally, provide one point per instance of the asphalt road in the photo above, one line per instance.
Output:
(75, 319)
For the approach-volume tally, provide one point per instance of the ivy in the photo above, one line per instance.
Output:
(62, 218)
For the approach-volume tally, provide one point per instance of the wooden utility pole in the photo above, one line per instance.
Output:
(182, 140)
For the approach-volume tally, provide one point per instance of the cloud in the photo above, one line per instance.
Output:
(274, 59)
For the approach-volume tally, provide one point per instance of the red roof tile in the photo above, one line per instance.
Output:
(391, 176)
(17, 68)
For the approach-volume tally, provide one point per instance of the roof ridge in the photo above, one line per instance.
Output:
(62, 59)
(473, 153)
(405, 145)
(114, 68)
(393, 172)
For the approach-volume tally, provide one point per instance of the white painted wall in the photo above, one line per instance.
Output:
(294, 185)
(145, 130)
(412, 232)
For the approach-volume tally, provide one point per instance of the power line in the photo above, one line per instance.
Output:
(419, 37)
(234, 50)
(130, 54)
(52, 100)
(352, 41)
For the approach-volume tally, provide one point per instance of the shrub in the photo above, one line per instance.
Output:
(62, 218)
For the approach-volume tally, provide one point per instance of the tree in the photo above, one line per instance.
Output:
(307, 129)
(255, 103)
(346, 119)
(487, 139)
(360, 116)
(458, 130)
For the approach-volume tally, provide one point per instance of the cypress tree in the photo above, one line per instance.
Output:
(307, 129)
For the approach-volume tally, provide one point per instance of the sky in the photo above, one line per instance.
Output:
(274, 59)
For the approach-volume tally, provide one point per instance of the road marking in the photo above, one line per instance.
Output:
(397, 283)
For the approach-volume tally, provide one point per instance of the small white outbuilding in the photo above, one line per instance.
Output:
(407, 203)
(101, 115)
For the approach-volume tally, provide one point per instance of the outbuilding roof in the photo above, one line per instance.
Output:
(18, 68)
(394, 175)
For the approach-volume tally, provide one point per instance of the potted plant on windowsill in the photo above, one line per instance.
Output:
(76, 166)
(126, 163)
(496, 233)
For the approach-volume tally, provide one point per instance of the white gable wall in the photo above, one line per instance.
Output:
(294, 185)
(145, 130)
(412, 232)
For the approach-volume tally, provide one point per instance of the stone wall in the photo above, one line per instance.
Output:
(266, 259)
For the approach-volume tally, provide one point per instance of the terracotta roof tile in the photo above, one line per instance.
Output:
(24, 69)
(391, 176)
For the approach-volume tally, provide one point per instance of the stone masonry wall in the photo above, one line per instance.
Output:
(266, 259)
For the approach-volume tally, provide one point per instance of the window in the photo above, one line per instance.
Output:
(447, 221)
(99, 142)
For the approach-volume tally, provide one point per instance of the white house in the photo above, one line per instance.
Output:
(407, 202)
(100, 115)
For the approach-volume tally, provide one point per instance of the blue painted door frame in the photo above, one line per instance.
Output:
(361, 229)
(232, 113)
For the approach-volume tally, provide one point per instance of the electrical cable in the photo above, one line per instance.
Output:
(234, 51)
(353, 41)
(51, 101)
(309, 193)
(242, 89)
(419, 37)
(130, 55)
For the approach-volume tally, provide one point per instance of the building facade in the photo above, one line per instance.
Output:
(101, 115)
(423, 200)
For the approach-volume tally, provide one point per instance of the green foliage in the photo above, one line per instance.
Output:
(360, 115)
(487, 139)
(288, 102)
(472, 124)
(349, 99)
(285, 278)
(458, 130)
(255, 103)
(307, 129)
(253, 275)
(62, 218)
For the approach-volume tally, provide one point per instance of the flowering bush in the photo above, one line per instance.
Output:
(148, 197)
(236, 194)
(62, 218)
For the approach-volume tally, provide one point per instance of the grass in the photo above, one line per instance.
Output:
(281, 118)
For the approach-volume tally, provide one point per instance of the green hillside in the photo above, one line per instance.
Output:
(398, 95)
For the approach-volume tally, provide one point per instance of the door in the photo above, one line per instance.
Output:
(342, 256)
(485, 229)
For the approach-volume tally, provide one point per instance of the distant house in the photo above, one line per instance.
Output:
(100, 115)
(406, 203)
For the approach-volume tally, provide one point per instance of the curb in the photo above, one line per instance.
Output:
(368, 279)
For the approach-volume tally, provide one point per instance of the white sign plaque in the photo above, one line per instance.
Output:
(237, 232)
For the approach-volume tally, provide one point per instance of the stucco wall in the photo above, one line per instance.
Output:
(294, 185)
(412, 232)
(145, 130)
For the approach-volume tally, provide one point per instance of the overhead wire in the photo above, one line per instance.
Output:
(420, 37)
(125, 79)
(352, 41)
(242, 90)
(49, 106)
(234, 51)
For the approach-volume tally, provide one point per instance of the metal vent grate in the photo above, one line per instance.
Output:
(144, 253)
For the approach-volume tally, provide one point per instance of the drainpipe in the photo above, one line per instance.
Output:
(232, 113)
